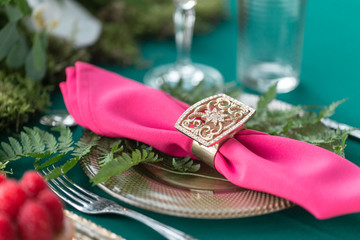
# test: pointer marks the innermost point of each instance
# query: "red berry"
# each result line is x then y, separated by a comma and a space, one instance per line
54, 206
34, 222
12, 196
7, 228
32, 183
2, 178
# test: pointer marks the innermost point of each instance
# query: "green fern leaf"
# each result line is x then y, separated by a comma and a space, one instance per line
10, 153
126, 159
50, 161
65, 139
84, 148
266, 99
62, 170
54, 173
3, 155
50, 142
107, 156
35, 138
330, 110
185, 164
113, 164
112, 168
26, 143
105, 159
144, 153
37, 162
16, 146
136, 157
40, 155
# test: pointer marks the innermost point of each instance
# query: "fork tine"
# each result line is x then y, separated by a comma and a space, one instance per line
65, 199
69, 187
81, 189
78, 187
62, 188
80, 195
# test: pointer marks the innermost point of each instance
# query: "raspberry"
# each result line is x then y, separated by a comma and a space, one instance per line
7, 229
12, 196
2, 178
32, 183
34, 222
54, 206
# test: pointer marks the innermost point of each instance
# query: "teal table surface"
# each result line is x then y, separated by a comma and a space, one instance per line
330, 72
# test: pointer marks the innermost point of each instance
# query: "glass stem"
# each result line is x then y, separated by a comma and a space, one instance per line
184, 20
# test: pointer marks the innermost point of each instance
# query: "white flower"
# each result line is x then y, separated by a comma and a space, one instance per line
65, 19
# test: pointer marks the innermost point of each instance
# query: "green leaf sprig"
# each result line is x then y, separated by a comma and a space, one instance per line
45, 149
302, 123
122, 155
14, 46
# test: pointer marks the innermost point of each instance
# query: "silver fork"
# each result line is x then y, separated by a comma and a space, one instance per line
90, 203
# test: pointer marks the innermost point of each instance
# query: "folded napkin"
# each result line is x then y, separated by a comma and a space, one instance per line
320, 181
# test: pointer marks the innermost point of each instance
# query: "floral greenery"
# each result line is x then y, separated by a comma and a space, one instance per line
121, 154
301, 122
45, 149
39, 57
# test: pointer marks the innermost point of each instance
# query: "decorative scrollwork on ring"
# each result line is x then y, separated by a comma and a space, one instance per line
211, 119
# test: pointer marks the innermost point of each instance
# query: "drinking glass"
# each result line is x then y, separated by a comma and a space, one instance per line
191, 74
270, 43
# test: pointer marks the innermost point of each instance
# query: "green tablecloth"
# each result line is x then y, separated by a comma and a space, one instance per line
329, 73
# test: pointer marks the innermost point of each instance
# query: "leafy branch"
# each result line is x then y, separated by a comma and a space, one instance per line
45, 149
302, 123
121, 156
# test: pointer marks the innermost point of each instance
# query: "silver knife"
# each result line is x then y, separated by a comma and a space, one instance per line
355, 133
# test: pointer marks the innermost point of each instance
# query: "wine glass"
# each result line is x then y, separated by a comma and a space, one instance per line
191, 74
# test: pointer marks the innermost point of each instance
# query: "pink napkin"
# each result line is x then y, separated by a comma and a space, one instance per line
320, 181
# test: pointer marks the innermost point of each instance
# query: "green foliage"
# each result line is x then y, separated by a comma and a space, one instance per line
301, 122
18, 52
14, 45
199, 92
122, 155
8, 36
35, 64
185, 164
46, 150
21, 4
20, 99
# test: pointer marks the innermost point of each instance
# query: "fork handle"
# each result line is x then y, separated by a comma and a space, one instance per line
165, 230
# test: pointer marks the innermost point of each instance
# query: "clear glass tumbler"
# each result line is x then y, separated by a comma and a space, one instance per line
270, 43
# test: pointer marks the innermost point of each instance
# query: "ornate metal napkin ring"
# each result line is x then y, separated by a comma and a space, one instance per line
210, 122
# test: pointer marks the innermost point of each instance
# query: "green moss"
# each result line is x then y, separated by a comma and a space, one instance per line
20, 98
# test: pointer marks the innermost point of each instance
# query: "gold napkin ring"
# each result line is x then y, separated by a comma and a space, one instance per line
212, 121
